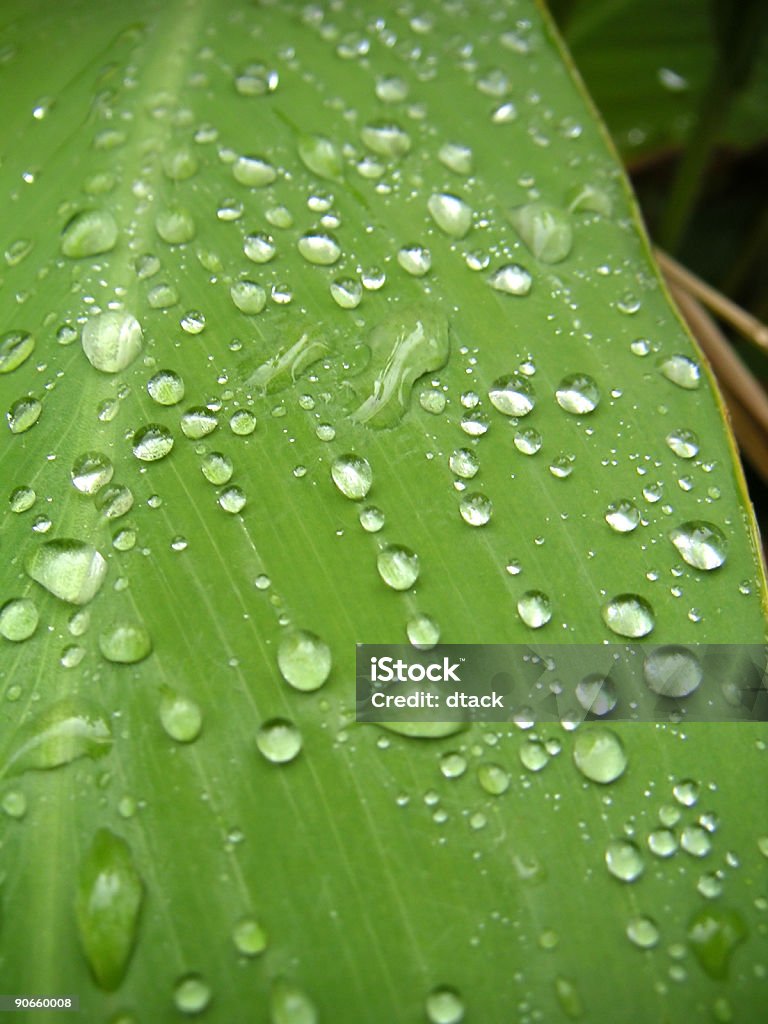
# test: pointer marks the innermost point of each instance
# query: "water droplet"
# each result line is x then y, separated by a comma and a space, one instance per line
623, 516
152, 442
505, 113
464, 463
15, 348
512, 395
259, 247
672, 671
662, 842
453, 765
599, 754
162, 296
624, 860
23, 414
695, 840
279, 740
578, 394
17, 251
125, 643
198, 422
713, 935
702, 545
534, 608
18, 619
476, 509
493, 778
249, 937
175, 225
321, 156
628, 615
319, 249
192, 994
371, 519
91, 472
546, 230
304, 660
180, 716
444, 1006
233, 500
415, 260
533, 755
22, 499
217, 468
512, 279
404, 346
386, 139
346, 292
432, 401
569, 998
89, 233
684, 443
14, 804
681, 371
643, 932
63, 732
256, 80
398, 567
253, 171
69, 569
193, 322
115, 501
451, 214
109, 898
423, 632
111, 341
180, 164
352, 475
248, 297
166, 387
597, 694
686, 792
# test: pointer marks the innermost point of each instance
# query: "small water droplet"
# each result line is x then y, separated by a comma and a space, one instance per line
233, 500
643, 932
702, 545
628, 615
322, 250
624, 860
198, 422
623, 516
249, 937
288, 1004
464, 463
89, 233
545, 229
476, 509
391, 89
242, 423
115, 501
217, 468
597, 694
681, 371
512, 395
321, 156
444, 1006
578, 394
398, 567
512, 279
14, 804
372, 519
111, 341
493, 778
346, 292
423, 632
672, 671
534, 608
22, 499
180, 164
433, 401
386, 139
304, 660
175, 225
23, 414
191, 994
259, 247
91, 471
69, 569
152, 442
684, 443
253, 171
713, 934
109, 898
279, 741
125, 643
451, 214
18, 619
662, 842
456, 157
256, 79
353, 476
599, 754
180, 717
15, 348
415, 260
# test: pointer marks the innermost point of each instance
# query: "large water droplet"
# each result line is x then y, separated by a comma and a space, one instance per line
15, 348
321, 156
125, 643
493, 778
681, 371
248, 297
180, 716
623, 516
91, 472
166, 387
175, 225
304, 660
578, 394
713, 934
476, 509
597, 694
109, 897
111, 341
18, 619
444, 1006
23, 414
624, 860
288, 1004
398, 567
546, 230
464, 463
451, 214
198, 422
69, 569
217, 468
599, 754
386, 139
628, 615
322, 250
89, 233
672, 671
353, 476
62, 733
511, 279
702, 545
115, 501
152, 442
534, 608
415, 260
279, 740
684, 443
347, 292
512, 395
423, 632
253, 171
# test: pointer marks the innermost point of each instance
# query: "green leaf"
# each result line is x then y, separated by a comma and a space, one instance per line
345, 330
